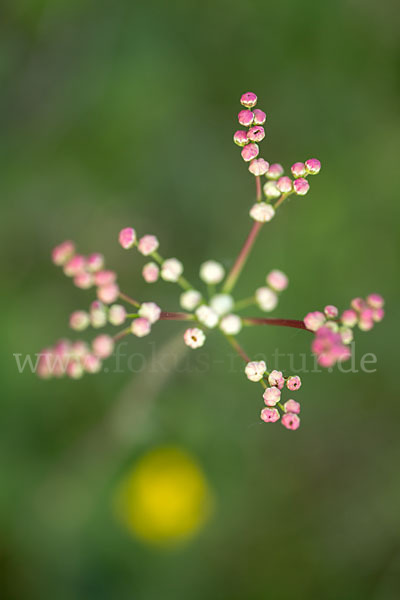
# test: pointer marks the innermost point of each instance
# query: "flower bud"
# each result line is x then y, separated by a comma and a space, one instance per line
258, 166
171, 269
291, 421
270, 415
259, 116
207, 316
190, 299
240, 138
103, 346
255, 370
271, 190
95, 262
84, 280
375, 301
75, 265
246, 118
150, 272
248, 99
74, 369
331, 311
266, 299
108, 293
150, 311
298, 169
249, 152
275, 378
293, 383
301, 186
127, 237
231, 324
271, 396
117, 314
262, 212
140, 327
148, 244
105, 277
79, 320
62, 253
256, 133
292, 406
275, 171
349, 318
313, 166
314, 320
212, 272
221, 304
194, 337
98, 314
277, 280
91, 363
284, 185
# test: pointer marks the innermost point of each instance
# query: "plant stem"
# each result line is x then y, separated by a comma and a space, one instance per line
121, 334
176, 316
242, 257
235, 344
129, 300
258, 188
296, 323
184, 283
244, 303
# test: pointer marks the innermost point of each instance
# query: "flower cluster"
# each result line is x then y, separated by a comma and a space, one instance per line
210, 305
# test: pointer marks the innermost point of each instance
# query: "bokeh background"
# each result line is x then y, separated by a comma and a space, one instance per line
122, 113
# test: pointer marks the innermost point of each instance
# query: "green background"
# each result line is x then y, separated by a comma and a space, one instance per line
122, 113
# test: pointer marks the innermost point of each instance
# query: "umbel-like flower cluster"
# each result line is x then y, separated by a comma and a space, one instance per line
210, 305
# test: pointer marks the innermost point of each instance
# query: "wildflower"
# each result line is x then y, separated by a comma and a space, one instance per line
249, 99
255, 370
258, 166
221, 304
314, 320
329, 347
313, 166
190, 299
212, 272
246, 118
301, 186
250, 151
127, 237
103, 346
271, 396
275, 378
277, 280
271, 190
79, 320
275, 171
240, 138
62, 253
298, 169
270, 415
171, 269
259, 116
291, 406
291, 421
207, 316
117, 314
150, 272
293, 383
266, 299
262, 212
194, 338
150, 311
231, 324
148, 244
140, 327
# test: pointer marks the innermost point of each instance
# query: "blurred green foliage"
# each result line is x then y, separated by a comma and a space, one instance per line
120, 113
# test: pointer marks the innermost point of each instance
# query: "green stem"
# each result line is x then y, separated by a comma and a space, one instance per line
244, 303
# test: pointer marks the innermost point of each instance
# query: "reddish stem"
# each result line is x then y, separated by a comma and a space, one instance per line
241, 259
129, 300
176, 316
280, 322
258, 188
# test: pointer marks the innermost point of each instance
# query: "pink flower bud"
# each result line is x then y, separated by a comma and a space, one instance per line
108, 293
190, 299
79, 349
74, 369
366, 321
44, 364
346, 334
103, 346
255, 370
258, 166
314, 320
270, 190
284, 185
194, 338
331, 311
140, 327
249, 152
98, 314
276, 378
301, 186
277, 280
240, 137
259, 116
127, 237
91, 363
150, 311
291, 406
271, 396
95, 262
79, 320
349, 318
291, 421
150, 272
298, 169
117, 314
62, 253
75, 265
358, 304
256, 134
375, 301
148, 244
262, 212
313, 166
270, 415
378, 314
293, 383
275, 171
248, 99
84, 281
171, 269
105, 277
246, 118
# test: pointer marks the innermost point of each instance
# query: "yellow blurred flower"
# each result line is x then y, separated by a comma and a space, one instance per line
165, 498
